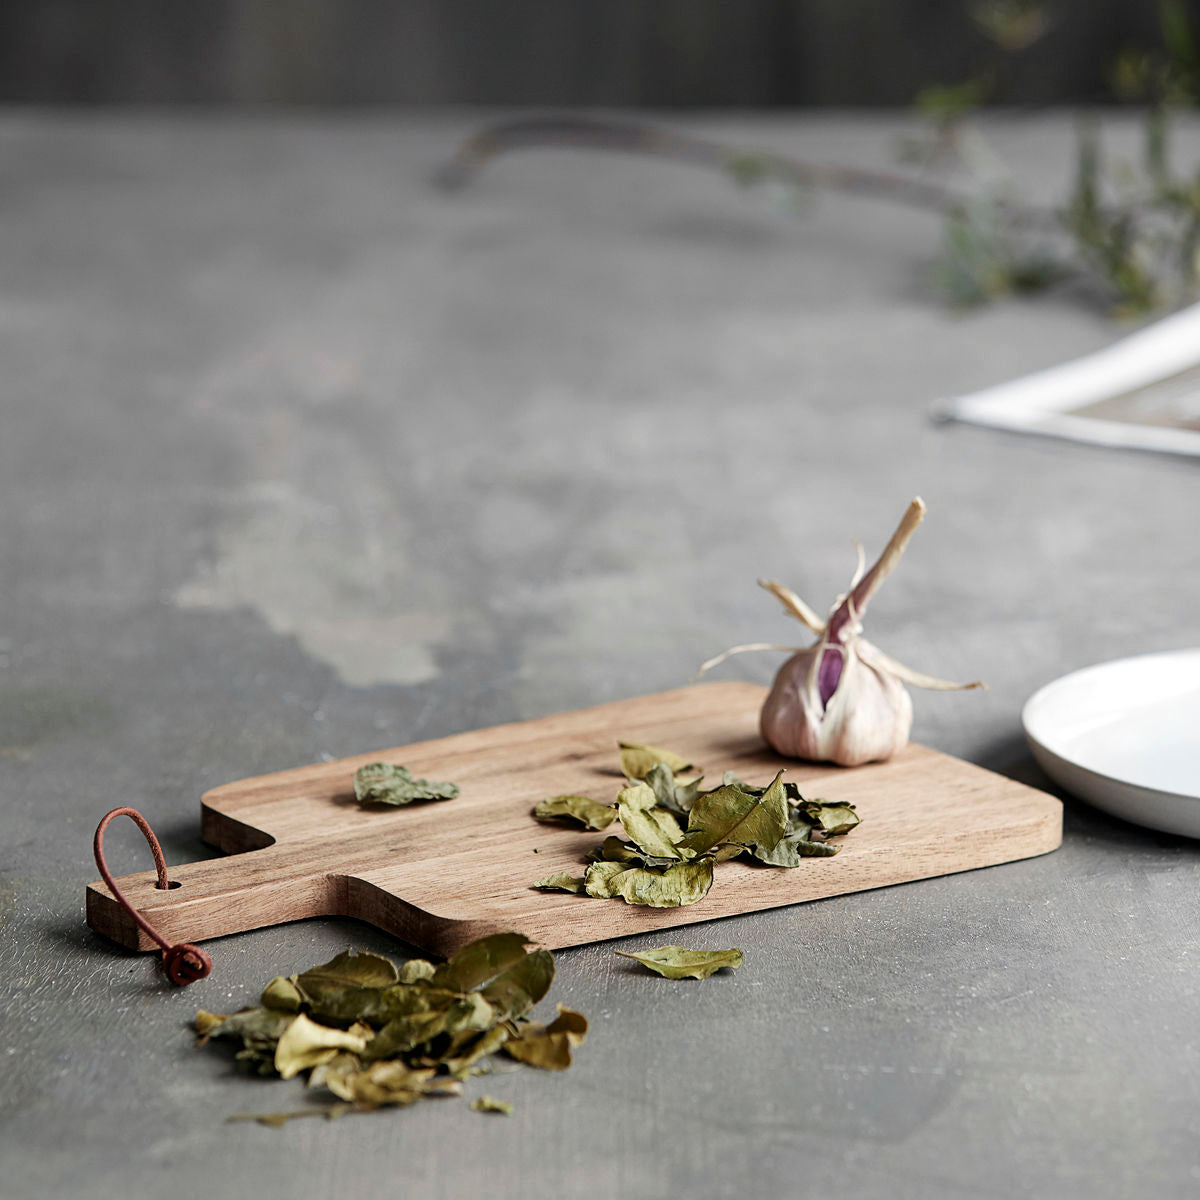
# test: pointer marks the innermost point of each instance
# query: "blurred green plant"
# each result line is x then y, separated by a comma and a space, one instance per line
1130, 230
1133, 230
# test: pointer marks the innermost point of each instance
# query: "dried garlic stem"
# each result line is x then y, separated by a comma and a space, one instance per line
851, 609
793, 605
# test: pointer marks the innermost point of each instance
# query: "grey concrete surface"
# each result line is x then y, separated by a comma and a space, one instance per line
300, 458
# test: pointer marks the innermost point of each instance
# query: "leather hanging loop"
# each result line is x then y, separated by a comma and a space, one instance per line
183, 963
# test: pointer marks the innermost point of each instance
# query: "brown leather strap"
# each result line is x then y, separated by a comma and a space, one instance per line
183, 963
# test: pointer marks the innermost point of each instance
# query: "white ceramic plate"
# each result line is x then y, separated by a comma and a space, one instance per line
1125, 736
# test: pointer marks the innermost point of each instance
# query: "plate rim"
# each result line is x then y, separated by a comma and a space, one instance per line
1038, 696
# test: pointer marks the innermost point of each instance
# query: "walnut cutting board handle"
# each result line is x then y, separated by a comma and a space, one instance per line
219, 896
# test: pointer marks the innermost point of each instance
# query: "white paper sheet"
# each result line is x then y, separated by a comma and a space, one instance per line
1142, 392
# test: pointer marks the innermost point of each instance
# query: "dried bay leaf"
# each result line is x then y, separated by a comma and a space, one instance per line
306, 1044
205, 1023
282, 995
599, 878
549, 1046
614, 849
683, 884
499, 967
391, 1083
358, 968
419, 1013
391, 783
637, 759
577, 810
673, 887
654, 830
832, 819
248, 1023
675, 795
468, 1048
258, 1029
342, 1063
560, 881
489, 1104
810, 823
676, 962
729, 814
415, 970
790, 790
791, 849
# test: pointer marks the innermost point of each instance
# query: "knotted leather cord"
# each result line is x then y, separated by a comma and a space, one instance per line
183, 963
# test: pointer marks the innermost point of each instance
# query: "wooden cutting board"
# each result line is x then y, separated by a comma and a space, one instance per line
439, 874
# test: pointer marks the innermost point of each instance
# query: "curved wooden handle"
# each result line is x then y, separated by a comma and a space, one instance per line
218, 897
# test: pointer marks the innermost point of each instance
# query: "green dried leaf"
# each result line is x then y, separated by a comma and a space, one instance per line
730, 815
600, 876
675, 795
416, 970
678, 885
259, 1029
283, 995
637, 759
831, 819
675, 962
391, 783
351, 968
352, 986
549, 1046
341, 1064
258, 1023
560, 881
306, 1044
489, 1104
581, 810
468, 1048
391, 1083
498, 966
654, 830
416, 1014
790, 790
613, 849
205, 1023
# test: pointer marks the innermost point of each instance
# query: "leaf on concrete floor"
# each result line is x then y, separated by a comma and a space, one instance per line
676, 962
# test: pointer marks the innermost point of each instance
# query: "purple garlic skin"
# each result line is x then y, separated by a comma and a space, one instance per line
867, 717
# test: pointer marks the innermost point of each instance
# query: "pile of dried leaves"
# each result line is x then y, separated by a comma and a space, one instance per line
374, 1035
679, 833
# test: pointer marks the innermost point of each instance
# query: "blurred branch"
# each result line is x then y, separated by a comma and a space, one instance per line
745, 166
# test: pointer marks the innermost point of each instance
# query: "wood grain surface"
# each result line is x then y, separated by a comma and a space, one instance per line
440, 874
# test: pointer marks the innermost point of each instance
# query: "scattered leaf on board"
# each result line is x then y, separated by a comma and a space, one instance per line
390, 783
575, 810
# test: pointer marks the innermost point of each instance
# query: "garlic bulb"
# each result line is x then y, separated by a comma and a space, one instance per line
842, 700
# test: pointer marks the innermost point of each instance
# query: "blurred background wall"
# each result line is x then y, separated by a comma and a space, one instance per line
745, 53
